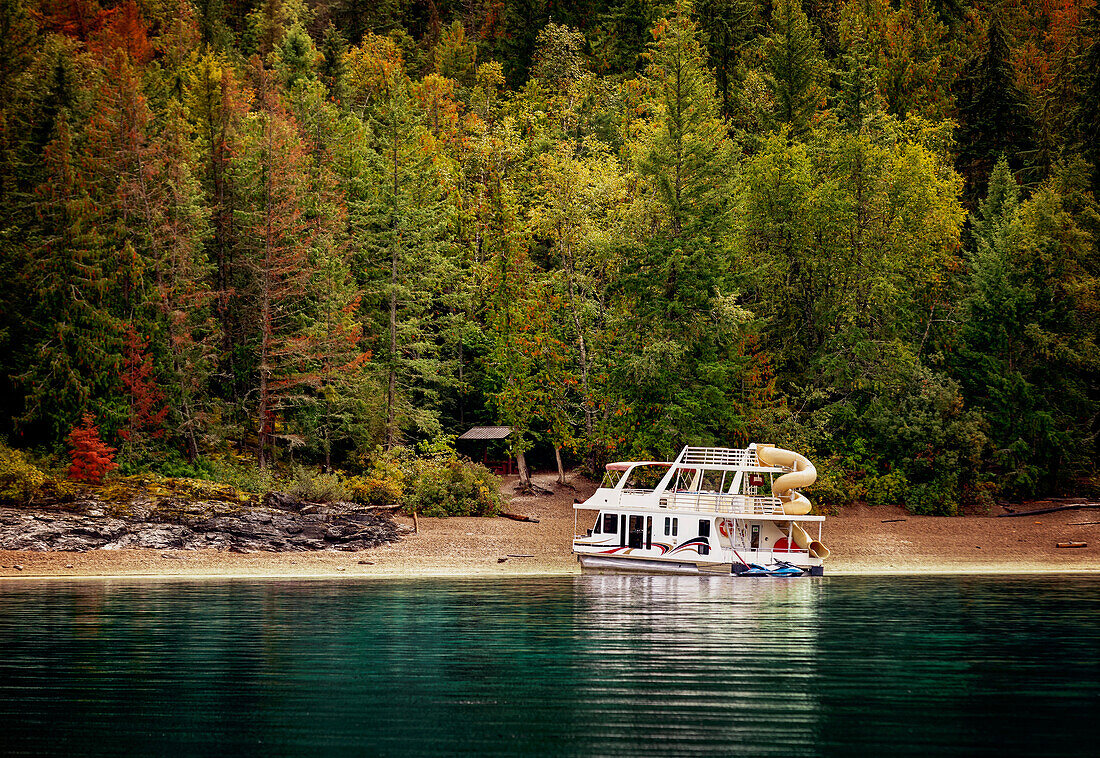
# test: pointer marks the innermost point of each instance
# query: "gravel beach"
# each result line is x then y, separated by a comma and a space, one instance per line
863, 540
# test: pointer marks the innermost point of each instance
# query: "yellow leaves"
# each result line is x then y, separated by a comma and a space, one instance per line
490, 76
19, 478
374, 67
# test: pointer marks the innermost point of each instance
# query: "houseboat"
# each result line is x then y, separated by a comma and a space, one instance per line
712, 510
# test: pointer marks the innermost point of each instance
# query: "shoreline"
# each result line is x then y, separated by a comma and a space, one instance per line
865, 541
939, 571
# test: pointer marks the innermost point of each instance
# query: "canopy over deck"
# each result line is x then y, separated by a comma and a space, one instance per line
625, 465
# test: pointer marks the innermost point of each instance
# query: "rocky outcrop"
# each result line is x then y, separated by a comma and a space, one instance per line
281, 524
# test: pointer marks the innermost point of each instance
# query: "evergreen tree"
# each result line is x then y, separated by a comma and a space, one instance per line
794, 67
331, 340
271, 170
726, 26
1029, 341
995, 117
684, 332
858, 98
295, 56
402, 222
1086, 114
73, 333
333, 69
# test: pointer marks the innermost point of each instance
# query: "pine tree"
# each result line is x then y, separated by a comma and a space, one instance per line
858, 98
331, 340
995, 117
333, 69
155, 202
794, 67
17, 39
218, 107
1086, 113
294, 57
725, 27
1028, 343
73, 333
403, 223
272, 169
677, 276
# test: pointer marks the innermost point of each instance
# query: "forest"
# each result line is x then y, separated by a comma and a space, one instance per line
324, 233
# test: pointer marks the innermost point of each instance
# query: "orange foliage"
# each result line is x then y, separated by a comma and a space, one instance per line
124, 30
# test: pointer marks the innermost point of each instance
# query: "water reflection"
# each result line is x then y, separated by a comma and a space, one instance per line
699, 662
595, 665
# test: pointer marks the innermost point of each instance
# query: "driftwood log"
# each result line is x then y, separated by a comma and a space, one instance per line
1052, 509
519, 517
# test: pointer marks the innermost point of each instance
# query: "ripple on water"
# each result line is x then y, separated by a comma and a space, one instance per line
595, 665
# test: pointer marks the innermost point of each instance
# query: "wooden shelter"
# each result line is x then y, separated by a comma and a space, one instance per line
477, 441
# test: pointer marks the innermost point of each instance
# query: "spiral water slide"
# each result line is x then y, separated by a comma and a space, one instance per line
802, 474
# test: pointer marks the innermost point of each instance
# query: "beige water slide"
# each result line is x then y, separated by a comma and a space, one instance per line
802, 474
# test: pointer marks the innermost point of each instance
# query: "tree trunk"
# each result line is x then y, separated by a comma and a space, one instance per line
561, 470
521, 467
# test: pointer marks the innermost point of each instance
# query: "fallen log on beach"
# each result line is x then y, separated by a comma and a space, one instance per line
1052, 509
519, 517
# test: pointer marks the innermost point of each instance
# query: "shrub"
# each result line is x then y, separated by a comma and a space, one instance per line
453, 487
92, 459
241, 473
934, 498
370, 490
887, 489
835, 486
384, 477
19, 478
318, 488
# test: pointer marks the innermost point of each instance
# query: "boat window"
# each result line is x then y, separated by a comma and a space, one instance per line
609, 522
645, 478
711, 481
648, 532
704, 532
637, 535
596, 528
684, 479
668, 526
611, 478
675, 523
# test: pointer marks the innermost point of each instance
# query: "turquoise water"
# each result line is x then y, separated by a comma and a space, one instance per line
563, 666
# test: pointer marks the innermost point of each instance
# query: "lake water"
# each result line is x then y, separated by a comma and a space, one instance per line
563, 666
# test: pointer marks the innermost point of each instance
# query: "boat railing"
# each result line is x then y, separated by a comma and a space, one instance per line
718, 456
717, 502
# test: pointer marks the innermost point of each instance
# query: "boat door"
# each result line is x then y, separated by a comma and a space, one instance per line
637, 532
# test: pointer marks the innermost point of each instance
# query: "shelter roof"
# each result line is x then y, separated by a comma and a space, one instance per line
486, 433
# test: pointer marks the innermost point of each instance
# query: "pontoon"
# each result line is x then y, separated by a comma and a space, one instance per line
705, 512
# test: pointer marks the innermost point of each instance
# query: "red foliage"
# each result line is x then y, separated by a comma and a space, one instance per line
125, 30
78, 19
91, 457
147, 408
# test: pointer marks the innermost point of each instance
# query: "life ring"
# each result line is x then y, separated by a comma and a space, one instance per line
724, 527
